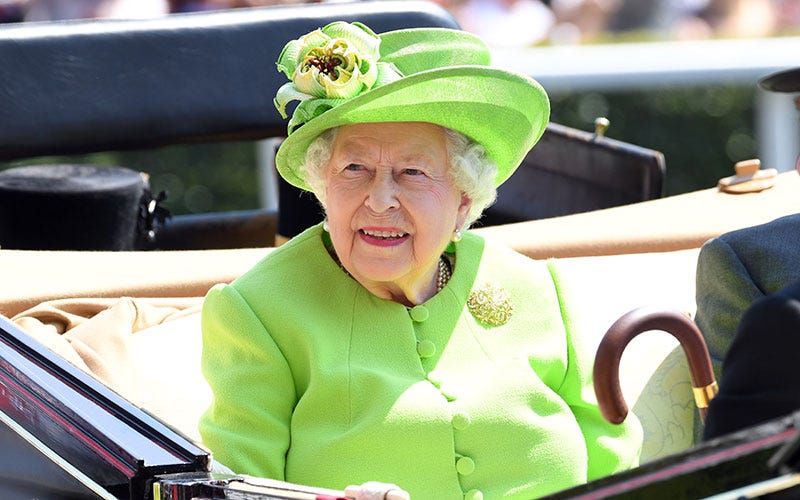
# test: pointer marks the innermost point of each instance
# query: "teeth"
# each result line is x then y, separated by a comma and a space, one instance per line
383, 234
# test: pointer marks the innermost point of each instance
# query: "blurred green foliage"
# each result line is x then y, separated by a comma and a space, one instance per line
702, 132
198, 178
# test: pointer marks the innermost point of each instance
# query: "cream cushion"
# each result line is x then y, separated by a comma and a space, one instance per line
654, 374
170, 384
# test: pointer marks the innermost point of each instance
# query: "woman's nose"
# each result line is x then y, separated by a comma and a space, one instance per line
382, 194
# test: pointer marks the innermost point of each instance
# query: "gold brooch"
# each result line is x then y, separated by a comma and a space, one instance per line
490, 305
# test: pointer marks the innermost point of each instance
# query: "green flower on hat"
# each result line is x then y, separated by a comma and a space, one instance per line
329, 66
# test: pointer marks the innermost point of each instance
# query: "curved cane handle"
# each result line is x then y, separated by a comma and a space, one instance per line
609, 352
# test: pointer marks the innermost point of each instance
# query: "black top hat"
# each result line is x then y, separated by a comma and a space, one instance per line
782, 81
73, 207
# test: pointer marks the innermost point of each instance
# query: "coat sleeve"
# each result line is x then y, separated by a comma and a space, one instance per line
610, 448
247, 426
724, 291
752, 391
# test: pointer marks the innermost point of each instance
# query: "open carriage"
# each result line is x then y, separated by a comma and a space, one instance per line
129, 316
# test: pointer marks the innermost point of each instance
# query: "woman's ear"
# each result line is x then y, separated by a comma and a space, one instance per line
463, 210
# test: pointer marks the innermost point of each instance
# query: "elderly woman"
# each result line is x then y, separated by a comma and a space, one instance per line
388, 343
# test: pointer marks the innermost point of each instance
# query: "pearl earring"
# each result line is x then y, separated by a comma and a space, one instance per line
457, 235
325, 226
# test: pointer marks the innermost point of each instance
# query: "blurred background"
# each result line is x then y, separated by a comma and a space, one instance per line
677, 76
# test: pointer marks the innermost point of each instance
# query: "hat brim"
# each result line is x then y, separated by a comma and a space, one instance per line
503, 111
782, 81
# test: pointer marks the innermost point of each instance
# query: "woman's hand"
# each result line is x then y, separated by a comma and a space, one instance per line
374, 490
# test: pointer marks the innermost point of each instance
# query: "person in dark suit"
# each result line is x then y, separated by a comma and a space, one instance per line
757, 381
738, 268
748, 308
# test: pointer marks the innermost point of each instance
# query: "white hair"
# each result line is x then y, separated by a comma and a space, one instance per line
471, 169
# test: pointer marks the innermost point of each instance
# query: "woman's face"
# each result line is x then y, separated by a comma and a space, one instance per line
392, 206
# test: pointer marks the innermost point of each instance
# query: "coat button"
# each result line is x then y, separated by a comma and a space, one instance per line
419, 313
473, 495
465, 466
426, 348
461, 421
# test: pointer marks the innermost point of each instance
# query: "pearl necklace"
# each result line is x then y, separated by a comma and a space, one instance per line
444, 274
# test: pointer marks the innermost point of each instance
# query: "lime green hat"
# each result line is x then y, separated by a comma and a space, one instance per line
346, 74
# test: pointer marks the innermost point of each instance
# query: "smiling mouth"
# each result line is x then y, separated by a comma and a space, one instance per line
384, 235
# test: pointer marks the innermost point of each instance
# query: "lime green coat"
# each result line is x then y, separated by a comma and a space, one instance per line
317, 381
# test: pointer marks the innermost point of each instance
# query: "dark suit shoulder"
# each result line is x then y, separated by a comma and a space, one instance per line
781, 229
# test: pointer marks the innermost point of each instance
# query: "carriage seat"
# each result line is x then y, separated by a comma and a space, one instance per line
148, 349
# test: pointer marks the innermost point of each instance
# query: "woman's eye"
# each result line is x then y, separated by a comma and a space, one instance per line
413, 171
354, 167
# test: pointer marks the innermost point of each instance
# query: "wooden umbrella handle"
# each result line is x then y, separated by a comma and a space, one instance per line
609, 353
